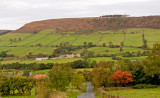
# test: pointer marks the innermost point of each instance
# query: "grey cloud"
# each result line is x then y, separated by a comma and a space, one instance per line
15, 13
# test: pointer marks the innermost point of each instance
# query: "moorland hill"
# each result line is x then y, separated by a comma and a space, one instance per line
89, 25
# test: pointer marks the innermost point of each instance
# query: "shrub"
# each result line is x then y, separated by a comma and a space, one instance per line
141, 86
121, 78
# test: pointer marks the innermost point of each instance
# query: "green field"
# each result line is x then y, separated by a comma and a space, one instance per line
137, 93
27, 61
45, 41
65, 60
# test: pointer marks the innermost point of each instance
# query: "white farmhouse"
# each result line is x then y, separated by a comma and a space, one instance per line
43, 58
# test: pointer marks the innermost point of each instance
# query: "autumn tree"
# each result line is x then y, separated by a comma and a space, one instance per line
102, 73
100, 77
121, 78
21, 85
77, 80
60, 77
43, 88
152, 64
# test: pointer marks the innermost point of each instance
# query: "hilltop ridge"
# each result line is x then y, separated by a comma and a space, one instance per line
91, 24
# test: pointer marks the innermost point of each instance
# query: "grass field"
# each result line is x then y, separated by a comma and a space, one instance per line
48, 39
137, 93
27, 61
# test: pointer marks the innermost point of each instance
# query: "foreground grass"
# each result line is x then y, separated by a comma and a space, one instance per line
137, 93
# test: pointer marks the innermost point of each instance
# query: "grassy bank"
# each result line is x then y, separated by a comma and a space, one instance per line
138, 93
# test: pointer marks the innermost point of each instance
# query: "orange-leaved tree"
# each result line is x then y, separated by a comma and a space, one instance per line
122, 78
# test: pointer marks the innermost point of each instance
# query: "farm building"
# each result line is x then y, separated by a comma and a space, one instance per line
78, 55
62, 56
38, 76
70, 56
43, 58
73, 55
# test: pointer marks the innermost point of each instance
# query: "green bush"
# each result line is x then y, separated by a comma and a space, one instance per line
141, 86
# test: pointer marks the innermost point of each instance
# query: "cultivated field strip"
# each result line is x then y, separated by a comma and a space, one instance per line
14, 43
44, 50
38, 49
94, 38
65, 38
48, 39
36, 40
100, 39
114, 38
55, 40
19, 51
5, 39
133, 40
75, 39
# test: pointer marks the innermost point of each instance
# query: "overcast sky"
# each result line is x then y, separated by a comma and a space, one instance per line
16, 13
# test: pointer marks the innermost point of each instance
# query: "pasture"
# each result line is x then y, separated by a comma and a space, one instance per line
137, 93
45, 41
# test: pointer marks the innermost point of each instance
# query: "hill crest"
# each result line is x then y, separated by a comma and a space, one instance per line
90, 24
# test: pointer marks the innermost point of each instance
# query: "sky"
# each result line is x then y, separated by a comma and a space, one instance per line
16, 13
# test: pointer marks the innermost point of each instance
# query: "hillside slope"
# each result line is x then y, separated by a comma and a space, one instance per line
88, 25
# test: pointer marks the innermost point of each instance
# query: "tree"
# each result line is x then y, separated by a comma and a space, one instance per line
110, 45
43, 89
101, 74
11, 40
20, 84
145, 46
19, 39
85, 44
77, 80
153, 61
2, 78
138, 73
3, 54
104, 44
152, 64
121, 46
26, 72
121, 49
90, 44
101, 77
35, 32
14, 39
60, 77
121, 78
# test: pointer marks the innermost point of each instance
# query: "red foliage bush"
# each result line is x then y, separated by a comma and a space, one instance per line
122, 78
